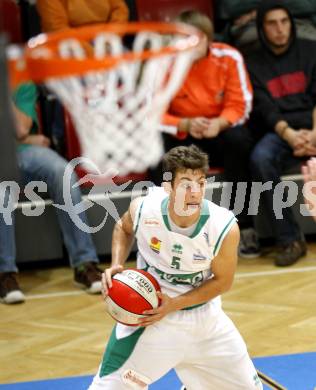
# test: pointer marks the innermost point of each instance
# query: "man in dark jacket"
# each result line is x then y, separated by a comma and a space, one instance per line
283, 73
240, 27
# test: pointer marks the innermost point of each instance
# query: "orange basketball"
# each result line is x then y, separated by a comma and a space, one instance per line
132, 292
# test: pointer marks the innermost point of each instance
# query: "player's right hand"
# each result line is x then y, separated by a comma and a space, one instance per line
107, 278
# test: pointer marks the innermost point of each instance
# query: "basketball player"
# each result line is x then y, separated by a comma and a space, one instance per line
190, 246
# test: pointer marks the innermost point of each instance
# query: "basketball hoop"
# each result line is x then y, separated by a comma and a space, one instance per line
116, 96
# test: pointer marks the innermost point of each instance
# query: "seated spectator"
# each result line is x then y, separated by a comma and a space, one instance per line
240, 18
37, 161
283, 73
61, 14
209, 111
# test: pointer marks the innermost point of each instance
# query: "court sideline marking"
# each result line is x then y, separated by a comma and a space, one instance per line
270, 382
241, 275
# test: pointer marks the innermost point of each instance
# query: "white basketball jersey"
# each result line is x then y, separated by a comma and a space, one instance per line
178, 262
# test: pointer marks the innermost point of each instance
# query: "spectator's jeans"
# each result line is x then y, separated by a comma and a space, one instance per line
269, 159
39, 163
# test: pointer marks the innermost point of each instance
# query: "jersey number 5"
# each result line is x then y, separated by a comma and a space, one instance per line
175, 263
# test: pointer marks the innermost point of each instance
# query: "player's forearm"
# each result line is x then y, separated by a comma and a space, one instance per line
121, 245
207, 291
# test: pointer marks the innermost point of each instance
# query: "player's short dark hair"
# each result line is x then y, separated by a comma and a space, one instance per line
199, 20
181, 158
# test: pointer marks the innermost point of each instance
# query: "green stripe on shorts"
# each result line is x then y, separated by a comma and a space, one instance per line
118, 351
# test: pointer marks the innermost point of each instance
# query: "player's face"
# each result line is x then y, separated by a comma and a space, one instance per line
188, 191
277, 28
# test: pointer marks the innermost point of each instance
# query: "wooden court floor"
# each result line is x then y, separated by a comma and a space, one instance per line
61, 331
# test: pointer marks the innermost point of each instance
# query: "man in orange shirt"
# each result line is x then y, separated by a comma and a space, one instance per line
209, 110
61, 14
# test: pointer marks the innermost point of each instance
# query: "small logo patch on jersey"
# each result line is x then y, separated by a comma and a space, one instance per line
199, 256
177, 248
151, 222
135, 380
155, 244
207, 238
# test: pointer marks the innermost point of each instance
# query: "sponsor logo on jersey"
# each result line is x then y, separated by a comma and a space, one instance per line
135, 380
155, 244
151, 222
199, 256
177, 248
194, 279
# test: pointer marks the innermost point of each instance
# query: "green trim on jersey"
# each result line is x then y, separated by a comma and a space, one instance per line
181, 279
187, 279
204, 216
138, 217
164, 212
222, 235
118, 351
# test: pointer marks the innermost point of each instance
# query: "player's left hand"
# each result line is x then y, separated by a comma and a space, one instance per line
161, 311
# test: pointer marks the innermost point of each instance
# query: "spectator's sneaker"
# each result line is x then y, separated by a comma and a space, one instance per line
10, 291
248, 246
88, 276
290, 253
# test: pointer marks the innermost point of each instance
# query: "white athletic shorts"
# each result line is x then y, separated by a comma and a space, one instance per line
205, 349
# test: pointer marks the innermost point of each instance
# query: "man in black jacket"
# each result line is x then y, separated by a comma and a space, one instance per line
283, 73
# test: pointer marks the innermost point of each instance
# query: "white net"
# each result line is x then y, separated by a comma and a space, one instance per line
117, 112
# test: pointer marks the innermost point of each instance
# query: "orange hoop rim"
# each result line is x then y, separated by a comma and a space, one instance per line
39, 58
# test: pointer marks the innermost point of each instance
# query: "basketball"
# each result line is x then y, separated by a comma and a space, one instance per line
132, 292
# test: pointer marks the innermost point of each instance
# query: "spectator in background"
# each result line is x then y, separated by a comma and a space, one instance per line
283, 73
61, 14
209, 111
240, 19
38, 162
